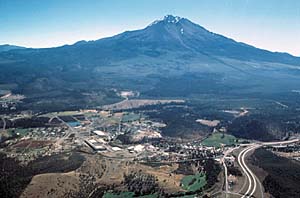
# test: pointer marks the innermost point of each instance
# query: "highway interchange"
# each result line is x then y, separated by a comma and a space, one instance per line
251, 183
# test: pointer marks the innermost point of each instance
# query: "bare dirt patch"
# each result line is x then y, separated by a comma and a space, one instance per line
210, 123
131, 104
32, 144
51, 185
112, 171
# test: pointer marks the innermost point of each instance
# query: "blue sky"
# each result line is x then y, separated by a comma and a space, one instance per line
268, 24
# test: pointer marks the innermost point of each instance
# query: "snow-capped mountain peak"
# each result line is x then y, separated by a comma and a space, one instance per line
171, 19
167, 19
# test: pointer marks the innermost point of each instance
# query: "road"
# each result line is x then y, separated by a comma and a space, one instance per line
225, 168
69, 132
251, 178
253, 182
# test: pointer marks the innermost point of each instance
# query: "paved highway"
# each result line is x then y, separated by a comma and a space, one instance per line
252, 180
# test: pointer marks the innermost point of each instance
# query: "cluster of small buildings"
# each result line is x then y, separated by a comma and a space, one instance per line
178, 152
9, 101
8, 105
291, 151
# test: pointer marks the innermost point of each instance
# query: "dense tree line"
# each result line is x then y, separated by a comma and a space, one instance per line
140, 183
26, 122
212, 171
233, 170
283, 174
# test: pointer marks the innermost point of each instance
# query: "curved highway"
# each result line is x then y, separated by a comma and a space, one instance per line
251, 178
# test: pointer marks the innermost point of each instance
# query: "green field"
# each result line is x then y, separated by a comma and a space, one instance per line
22, 132
62, 113
194, 182
130, 117
216, 139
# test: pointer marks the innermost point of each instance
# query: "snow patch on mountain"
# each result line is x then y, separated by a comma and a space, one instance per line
167, 19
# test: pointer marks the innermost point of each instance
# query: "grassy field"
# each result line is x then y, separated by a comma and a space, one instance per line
216, 139
130, 117
194, 182
62, 113
21, 132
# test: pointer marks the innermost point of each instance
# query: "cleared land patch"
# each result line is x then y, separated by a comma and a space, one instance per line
217, 139
210, 123
131, 104
194, 182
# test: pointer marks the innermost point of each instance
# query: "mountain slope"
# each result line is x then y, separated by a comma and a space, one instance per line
172, 57
6, 47
170, 33
177, 33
